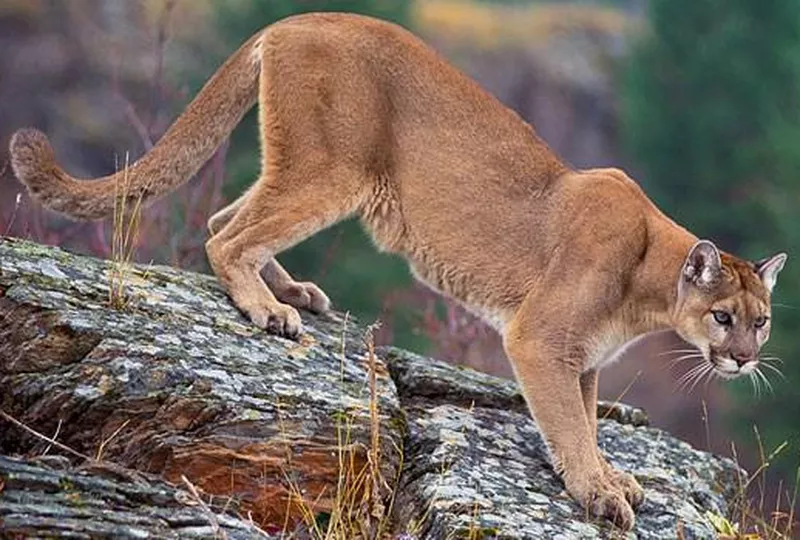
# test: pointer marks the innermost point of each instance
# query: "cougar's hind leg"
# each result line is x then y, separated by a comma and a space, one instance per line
278, 213
302, 294
222, 217
314, 173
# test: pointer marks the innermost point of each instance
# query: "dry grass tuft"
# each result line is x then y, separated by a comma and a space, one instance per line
750, 519
10, 223
125, 234
50, 440
362, 504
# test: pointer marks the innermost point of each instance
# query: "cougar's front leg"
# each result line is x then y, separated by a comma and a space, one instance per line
548, 368
622, 480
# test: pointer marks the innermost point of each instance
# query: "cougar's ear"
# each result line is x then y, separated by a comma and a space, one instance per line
769, 268
702, 268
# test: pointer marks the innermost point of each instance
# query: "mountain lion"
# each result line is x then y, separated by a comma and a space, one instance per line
359, 117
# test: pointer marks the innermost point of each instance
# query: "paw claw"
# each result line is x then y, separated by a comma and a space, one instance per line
627, 484
611, 504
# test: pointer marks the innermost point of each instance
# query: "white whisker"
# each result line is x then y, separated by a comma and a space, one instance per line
759, 379
758, 384
674, 361
775, 369
712, 374
690, 355
766, 381
678, 351
753, 381
709, 368
688, 375
693, 374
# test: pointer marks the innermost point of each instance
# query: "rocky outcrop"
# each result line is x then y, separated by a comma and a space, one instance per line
177, 383
45, 498
173, 388
476, 464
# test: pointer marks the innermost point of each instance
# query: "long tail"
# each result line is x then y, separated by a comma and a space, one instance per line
178, 155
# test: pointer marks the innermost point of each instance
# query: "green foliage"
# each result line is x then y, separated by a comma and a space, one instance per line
709, 93
342, 259
712, 116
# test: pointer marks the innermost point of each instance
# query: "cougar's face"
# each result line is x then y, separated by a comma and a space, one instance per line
729, 331
724, 308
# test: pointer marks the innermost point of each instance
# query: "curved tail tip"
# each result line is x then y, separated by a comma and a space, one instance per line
29, 149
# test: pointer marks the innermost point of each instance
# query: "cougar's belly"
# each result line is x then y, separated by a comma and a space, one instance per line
458, 249
459, 284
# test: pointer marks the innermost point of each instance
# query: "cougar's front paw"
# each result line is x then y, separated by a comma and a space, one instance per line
602, 499
304, 295
279, 319
626, 483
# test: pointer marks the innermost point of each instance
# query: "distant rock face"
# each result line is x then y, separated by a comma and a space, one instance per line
179, 384
556, 64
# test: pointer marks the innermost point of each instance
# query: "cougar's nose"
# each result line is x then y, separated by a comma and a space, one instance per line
742, 358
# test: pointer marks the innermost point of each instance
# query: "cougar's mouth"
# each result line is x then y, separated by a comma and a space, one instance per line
716, 363
728, 368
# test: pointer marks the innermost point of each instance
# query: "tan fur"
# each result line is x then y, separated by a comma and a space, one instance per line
359, 117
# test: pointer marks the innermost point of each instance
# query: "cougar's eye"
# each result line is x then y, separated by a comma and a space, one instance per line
760, 321
722, 317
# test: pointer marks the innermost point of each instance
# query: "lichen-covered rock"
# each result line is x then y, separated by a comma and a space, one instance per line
424, 378
179, 383
476, 465
38, 500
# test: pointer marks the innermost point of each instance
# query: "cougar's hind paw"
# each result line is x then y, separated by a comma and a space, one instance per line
279, 319
318, 300
304, 295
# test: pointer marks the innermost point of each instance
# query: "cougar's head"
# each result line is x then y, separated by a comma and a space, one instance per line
723, 307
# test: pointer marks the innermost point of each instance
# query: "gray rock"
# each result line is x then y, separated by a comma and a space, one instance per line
477, 467
177, 382
38, 500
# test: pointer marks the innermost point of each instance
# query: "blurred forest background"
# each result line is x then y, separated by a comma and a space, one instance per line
699, 100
